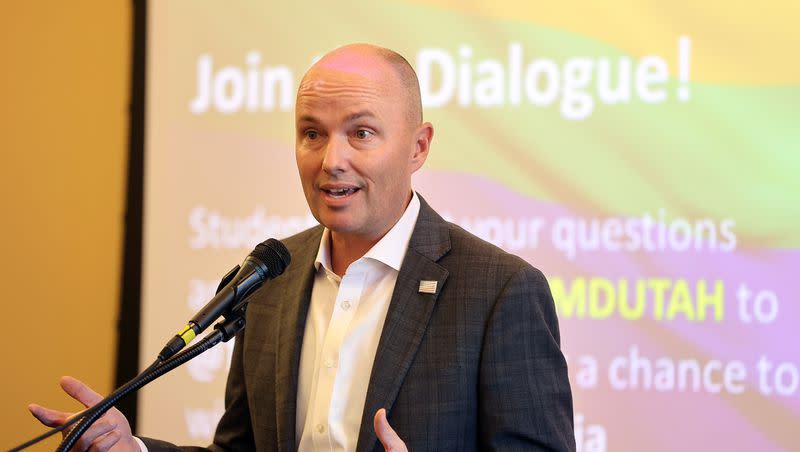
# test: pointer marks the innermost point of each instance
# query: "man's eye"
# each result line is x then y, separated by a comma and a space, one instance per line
312, 135
363, 134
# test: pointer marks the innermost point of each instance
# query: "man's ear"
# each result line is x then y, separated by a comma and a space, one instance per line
422, 145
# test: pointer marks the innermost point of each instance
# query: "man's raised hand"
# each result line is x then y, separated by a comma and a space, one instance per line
109, 433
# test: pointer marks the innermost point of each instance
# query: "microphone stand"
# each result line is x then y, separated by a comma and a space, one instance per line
223, 332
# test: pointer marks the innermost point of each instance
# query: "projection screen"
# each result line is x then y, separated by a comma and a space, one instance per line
642, 154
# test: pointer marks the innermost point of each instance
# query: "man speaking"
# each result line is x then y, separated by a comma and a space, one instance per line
392, 328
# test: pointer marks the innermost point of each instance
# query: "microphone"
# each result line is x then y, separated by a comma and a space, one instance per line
266, 261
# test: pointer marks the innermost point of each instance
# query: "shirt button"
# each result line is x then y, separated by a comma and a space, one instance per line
320, 428
345, 305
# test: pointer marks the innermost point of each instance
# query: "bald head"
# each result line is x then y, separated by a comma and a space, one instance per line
372, 62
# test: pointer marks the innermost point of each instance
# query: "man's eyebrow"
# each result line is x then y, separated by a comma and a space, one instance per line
307, 118
361, 114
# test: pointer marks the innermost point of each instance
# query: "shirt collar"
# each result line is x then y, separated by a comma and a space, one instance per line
390, 249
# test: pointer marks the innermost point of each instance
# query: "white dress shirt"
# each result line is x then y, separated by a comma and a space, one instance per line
343, 327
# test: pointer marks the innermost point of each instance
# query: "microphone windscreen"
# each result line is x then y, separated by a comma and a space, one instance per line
274, 255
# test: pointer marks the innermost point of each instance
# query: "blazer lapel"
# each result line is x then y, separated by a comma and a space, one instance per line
291, 327
407, 319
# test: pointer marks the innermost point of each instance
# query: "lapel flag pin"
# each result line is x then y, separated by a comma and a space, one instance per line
427, 286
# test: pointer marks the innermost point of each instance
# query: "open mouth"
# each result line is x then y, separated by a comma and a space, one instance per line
340, 192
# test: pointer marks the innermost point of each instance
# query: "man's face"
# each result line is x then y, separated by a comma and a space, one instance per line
356, 147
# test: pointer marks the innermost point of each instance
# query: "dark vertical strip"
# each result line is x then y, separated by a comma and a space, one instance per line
128, 325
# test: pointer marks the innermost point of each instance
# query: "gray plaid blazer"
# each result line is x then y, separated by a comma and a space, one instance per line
475, 366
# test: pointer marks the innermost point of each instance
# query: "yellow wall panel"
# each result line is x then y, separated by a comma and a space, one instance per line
64, 90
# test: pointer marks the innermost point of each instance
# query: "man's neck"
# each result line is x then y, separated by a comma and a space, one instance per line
346, 249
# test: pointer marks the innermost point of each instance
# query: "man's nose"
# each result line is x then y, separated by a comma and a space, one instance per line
337, 154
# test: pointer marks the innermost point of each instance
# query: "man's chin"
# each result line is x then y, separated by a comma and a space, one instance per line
339, 224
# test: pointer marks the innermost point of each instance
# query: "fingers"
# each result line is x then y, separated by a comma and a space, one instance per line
93, 436
105, 442
112, 429
386, 434
79, 391
48, 417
